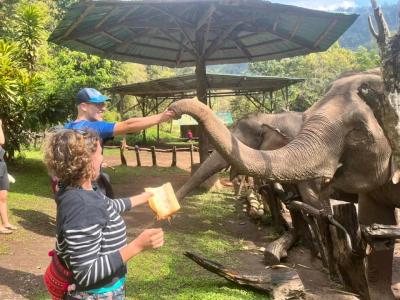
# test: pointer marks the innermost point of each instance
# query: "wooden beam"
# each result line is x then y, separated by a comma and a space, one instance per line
178, 21
150, 46
117, 40
190, 50
283, 34
179, 55
128, 13
276, 23
326, 31
106, 17
204, 19
126, 42
243, 49
77, 22
296, 27
216, 43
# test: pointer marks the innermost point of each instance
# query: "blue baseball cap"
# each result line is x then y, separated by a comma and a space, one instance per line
90, 95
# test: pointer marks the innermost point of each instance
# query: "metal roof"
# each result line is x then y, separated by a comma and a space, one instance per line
176, 33
217, 84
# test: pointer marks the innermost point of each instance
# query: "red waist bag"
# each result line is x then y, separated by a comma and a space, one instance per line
57, 278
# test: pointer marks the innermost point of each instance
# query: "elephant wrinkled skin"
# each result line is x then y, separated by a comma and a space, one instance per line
256, 130
340, 142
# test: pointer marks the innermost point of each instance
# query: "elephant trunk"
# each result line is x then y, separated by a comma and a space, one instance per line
213, 164
307, 156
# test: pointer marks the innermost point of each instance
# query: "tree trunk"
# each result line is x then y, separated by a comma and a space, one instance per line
387, 110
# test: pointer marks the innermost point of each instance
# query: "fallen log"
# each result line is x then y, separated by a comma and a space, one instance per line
280, 282
277, 249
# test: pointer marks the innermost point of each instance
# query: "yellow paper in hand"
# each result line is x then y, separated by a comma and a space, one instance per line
163, 202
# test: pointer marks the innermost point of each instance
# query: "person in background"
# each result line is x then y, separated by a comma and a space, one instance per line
91, 239
5, 227
189, 135
91, 107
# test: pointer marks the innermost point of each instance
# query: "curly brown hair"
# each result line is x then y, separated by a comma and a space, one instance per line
68, 155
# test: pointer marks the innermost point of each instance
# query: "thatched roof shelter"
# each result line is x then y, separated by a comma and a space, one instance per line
178, 33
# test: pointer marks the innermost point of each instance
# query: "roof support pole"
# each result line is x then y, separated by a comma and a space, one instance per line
201, 90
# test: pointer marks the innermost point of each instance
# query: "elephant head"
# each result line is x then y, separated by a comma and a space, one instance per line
338, 124
256, 130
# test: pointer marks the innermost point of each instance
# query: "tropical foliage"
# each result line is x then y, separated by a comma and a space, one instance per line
318, 70
38, 80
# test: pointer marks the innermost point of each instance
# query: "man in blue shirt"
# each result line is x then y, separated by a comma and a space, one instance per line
91, 106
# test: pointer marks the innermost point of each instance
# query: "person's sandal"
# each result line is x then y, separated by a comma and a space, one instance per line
5, 231
11, 227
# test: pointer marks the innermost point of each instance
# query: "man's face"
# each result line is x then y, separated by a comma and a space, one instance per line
93, 111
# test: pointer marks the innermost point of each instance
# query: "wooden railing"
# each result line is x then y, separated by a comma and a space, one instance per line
153, 150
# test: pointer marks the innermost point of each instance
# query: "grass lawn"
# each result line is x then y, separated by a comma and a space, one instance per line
30, 199
157, 274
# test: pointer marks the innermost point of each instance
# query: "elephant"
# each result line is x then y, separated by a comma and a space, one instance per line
256, 130
340, 143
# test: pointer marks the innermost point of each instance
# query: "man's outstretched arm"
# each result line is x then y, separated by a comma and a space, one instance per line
140, 123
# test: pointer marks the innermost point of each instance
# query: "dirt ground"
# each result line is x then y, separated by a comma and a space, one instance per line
21, 271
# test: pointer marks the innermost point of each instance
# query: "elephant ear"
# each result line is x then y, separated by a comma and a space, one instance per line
273, 137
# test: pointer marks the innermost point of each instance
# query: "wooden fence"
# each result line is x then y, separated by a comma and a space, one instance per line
153, 150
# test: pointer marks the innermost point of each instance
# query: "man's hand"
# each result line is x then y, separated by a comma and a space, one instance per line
167, 115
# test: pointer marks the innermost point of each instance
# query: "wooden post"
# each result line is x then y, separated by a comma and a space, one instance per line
275, 207
191, 155
153, 156
121, 152
173, 164
201, 90
350, 261
158, 124
137, 151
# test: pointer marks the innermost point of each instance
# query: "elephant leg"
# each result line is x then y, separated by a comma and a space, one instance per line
379, 262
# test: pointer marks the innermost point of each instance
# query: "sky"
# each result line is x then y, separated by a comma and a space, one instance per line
331, 4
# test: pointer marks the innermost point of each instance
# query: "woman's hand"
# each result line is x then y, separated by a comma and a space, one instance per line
141, 198
148, 239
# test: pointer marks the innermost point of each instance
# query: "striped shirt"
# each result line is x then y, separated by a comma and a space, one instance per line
90, 232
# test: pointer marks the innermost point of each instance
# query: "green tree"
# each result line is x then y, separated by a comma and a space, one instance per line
319, 69
30, 24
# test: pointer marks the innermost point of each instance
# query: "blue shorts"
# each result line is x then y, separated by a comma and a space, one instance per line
118, 294
4, 183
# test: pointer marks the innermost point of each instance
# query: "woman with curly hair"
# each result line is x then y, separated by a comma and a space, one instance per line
91, 237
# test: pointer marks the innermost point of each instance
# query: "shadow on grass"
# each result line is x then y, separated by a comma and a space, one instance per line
36, 221
180, 278
21, 283
31, 177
